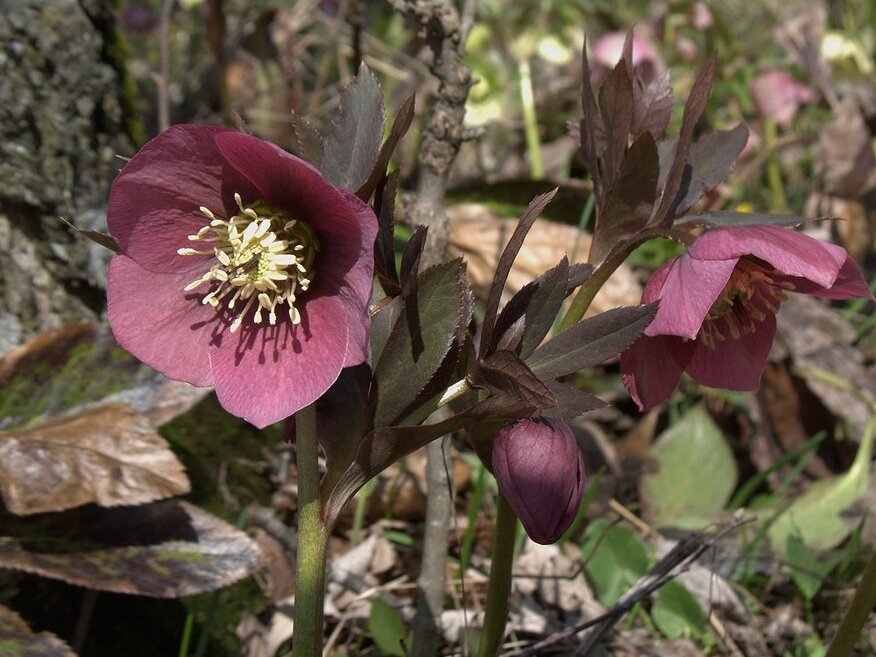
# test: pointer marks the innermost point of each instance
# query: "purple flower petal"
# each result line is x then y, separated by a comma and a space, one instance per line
264, 374
153, 204
690, 289
849, 284
155, 320
734, 364
788, 251
651, 368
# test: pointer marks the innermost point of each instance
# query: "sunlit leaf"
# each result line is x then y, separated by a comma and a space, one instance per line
677, 613
815, 517
308, 143
695, 475
388, 629
614, 559
109, 455
167, 549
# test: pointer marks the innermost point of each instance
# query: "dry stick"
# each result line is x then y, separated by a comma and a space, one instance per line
675, 562
440, 25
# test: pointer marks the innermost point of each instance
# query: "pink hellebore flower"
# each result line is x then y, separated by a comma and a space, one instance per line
540, 471
778, 96
239, 267
718, 303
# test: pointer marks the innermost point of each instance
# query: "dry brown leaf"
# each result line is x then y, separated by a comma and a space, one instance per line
77, 366
168, 549
479, 235
819, 343
109, 455
17, 639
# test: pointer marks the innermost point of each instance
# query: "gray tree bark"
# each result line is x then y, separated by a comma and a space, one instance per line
63, 118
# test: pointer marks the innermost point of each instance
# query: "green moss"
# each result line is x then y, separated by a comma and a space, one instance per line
204, 439
11, 648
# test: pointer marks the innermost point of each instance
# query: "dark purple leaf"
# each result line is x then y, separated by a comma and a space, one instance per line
382, 323
504, 371
532, 212
591, 341
400, 126
384, 246
571, 402
103, 239
419, 340
693, 110
353, 143
711, 159
535, 301
342, 416
629, 201
307, 143
652, 106
578, 274
616, 109
588, 125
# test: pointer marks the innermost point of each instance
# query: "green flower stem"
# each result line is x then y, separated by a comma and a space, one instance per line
312, 540
530, 122
499, 589
856, 615
774, 173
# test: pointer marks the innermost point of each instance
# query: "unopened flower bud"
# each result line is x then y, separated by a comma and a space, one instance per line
540, 471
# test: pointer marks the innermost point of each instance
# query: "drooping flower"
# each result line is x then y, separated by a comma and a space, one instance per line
718, 303
540, 471
239, 267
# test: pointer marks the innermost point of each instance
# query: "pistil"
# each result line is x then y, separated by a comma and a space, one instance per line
263, 259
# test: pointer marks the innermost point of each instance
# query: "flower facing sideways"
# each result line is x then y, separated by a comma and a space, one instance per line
540, 471
240, 267
718, 303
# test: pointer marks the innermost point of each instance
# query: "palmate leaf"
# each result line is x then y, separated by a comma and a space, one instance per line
400, 126
18, 640
732, 218
109, 455
616, 109
571, 402
590, 341
167, 549
505, 371
425, 328
353, 143
308, 142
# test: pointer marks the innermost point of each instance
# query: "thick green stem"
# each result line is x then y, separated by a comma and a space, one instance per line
499, 589
856, 615
312, 540
530, 122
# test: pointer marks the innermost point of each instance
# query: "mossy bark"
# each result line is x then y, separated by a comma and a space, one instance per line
63, 118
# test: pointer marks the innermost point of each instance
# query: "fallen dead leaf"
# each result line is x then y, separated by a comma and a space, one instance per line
17, 639
110, 455
168, 549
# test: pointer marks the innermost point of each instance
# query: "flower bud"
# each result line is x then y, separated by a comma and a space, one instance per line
540, 471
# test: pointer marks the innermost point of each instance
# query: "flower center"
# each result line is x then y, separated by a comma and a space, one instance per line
752, 291
263, 258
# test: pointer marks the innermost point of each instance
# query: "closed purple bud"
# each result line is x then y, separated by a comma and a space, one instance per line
540, 471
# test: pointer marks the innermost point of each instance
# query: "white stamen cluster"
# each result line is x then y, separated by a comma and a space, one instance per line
263, 257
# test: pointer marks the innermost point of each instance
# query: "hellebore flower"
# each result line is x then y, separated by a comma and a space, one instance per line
239, 267
718, 303
540, 471
778, 96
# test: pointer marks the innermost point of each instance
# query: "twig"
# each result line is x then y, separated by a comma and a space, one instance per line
675, 562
